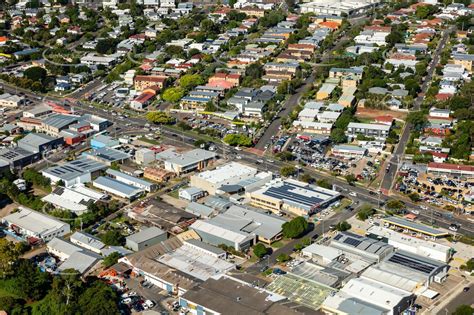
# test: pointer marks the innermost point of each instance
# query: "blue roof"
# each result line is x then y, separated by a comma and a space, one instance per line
117, 186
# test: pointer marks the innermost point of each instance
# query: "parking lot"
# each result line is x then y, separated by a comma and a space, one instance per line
439, 191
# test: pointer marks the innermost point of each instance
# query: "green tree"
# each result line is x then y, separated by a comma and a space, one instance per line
106, 46
9, 254
294, 228
350, 178
112, 237
173, 94
414, 197
35, 74
365, 212
283, 258
469, 266
260, 250
238, 140
343, 226
111, 260
417, 119
287, 171
395, 205
158, 117
324, 183
338, 135
189, 81
99, 298
254, 71
463, 310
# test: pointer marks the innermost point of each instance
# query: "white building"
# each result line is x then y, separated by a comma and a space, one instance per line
11, 101
74, 198
412, 244
131, 180
145, 156
30, 223
87, 241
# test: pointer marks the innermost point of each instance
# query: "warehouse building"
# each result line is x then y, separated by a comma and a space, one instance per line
17, 158
180, 163
75, 198
75, 172
365, 296
229, 174
107, 155
35, 225
117, 188
293, 197
39, 142
87, 241
362, 247
53, 125
131, 180
145, 238
101, 141
412, 244
413, 227
240, 228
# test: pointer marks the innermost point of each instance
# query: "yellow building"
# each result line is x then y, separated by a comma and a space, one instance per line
464, 60
325, 91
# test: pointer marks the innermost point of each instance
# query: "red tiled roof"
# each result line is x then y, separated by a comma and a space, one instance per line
150, 78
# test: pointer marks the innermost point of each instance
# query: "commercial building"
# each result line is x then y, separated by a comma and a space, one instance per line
142, 82
117, 188
107, 155
103, 141
348, 151
322, 254
338, 7
80, 261
38, 142
240, 228
292, 196
79, 171
227, 295
10, 101
313, 127
464, 171
411, 244
232, 173
131, 180
145, 238
61, 248
145, 156
87, 241
180, 163
53, 125
36, 225
75, 198
365, 296
18, 158
191, 193
158, 175
360, 247
413, 227
377, 131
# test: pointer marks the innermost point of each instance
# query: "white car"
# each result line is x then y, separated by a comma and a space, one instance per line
353, 194
415, 211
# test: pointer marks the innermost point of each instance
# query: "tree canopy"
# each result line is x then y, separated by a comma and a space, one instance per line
295, 227
260, 250
189, 81
35, 74
159, 117
238, 140
173, 94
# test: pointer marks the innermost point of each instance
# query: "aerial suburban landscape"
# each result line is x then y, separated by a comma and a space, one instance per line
236, 157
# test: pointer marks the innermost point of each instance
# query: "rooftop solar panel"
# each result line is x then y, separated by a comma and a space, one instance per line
352, 242
411, 263
338, 237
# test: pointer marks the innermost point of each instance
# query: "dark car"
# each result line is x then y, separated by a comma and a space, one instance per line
465, 289
264, 268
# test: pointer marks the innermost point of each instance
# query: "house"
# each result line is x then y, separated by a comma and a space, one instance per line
145, 238
464, 60
252, 11
325, 91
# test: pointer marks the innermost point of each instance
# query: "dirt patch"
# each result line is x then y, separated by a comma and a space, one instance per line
372, 113
8, 209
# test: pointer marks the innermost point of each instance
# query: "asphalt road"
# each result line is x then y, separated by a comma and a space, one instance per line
397, 156
466, 298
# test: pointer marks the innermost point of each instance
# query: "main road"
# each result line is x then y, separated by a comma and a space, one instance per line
397, 156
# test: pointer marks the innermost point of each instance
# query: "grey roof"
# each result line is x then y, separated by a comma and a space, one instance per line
414, 262
88, 239
108, 154
415, 226
80, 261
116, 185
75, 168
59, 121
192, 190
187, 158
349, 147
146, 234
63, 246
239, 219
119, 175
362, 243
463, 57
205, 246
115, 249
11, 155
199, 209
217, 203
33, 140
378, 90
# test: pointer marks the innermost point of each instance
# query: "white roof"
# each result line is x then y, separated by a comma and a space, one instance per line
390, 278
375, 293
227, 171
326, 252
80, 261
308, 112
63, 246
212, 229
34, 221
312, 124
87, 239
369, 126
